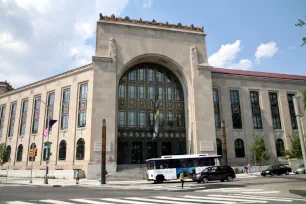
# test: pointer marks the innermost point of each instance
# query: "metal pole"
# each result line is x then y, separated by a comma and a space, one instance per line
8, 167
103, 156
224, 142
298, 113
32, 165
47, 148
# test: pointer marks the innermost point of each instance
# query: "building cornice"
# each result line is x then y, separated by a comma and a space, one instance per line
152, 24
102, 59
49, 80
204, 67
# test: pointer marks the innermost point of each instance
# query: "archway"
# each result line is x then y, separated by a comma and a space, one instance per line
150, 100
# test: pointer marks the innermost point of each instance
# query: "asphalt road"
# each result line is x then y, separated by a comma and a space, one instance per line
278, 189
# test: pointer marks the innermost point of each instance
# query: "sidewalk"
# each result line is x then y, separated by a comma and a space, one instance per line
85, 182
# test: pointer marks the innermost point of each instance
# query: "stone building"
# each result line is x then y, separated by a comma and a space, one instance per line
137, 65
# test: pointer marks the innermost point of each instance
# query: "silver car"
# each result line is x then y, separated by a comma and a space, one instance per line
301, 169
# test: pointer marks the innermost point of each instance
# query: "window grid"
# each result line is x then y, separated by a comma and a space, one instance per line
50, 109
257, 122
65, 108
239, 148
35, 116
19, 153
80, 151
2, 118
216, 108
62, 150
280, 147
236, 111
292, 111
82, 105
23, 120
12, 119
275, 110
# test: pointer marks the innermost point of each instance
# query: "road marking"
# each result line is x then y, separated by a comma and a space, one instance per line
155, 201
89, 201
18, 202
195, 200
226, 199
259, 196
54, 201
123, 201
259, 192
252, 197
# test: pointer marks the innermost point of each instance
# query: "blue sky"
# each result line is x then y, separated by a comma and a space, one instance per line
42, 38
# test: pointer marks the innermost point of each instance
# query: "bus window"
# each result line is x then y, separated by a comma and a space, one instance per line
195, 162
189, 163
177, 163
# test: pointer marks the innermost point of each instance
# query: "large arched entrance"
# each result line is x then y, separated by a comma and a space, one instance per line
151, 99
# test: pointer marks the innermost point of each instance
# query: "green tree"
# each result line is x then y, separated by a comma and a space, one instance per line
296, 151
259, 150
3, 153
301, 23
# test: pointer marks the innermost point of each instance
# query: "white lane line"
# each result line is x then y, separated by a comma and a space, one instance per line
55, 202
89, 201
18, 202
259, 192
155, 200
227, 199
252, 197
123, 201
193, 200
259, 196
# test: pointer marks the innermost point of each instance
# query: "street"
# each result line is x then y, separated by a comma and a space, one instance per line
277, 189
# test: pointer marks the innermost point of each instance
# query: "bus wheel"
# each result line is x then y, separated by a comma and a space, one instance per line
160, 178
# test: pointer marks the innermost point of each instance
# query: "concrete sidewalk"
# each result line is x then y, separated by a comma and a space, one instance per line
85, 182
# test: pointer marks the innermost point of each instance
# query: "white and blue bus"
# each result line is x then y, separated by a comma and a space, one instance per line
170, 167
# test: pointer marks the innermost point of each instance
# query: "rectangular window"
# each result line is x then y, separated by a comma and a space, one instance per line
236, 112
65, 108
179, 120
141, 74
254, 96
275, 110
132, 91
35, 116
150, 75
170, 119
132, 76
150, 93
142, 119
142, 92
2, 118
292, 111
161, 119
50, 108
159, 76
160, 93
82, 105
132, 120
12, 119
217, 108
169, 94
122, 91
23, 120
121, 119
151, 119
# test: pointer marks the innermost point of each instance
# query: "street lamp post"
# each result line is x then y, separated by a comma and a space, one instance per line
47, 147
224, 142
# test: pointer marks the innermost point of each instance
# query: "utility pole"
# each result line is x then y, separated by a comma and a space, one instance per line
32, 158
103, 154
298, 113
224, 142
47, 146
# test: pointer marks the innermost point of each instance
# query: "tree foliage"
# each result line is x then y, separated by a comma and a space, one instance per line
296, 151
259, 150
3, 153
301, 23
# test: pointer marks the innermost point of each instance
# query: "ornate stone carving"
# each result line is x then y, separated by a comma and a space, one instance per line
112, 48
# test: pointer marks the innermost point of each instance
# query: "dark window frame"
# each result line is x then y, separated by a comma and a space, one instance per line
236, 109
62, 150
23, 117
256, 111
36, 111
280, 146
83, 95
217, 112
80, 150
19, 153
12, 118
275, 114
65, 105
2, 118
239, 148
292, 111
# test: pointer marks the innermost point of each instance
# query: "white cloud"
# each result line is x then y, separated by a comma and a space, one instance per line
227, 54
147, 3
292, 47
41, 38
267, 50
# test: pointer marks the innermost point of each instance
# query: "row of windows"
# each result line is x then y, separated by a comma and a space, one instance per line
64, 112
80, 151
256, 110
239, 147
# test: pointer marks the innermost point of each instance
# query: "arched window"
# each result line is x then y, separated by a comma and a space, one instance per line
239, 148
279, 147
62, 150
19, 152
219, 147
80, 149
8, 152
33, 146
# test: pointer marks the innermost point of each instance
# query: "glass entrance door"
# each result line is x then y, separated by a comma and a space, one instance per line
136, 152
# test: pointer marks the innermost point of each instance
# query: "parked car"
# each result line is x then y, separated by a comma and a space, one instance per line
221, 173
301, 169
278, 169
